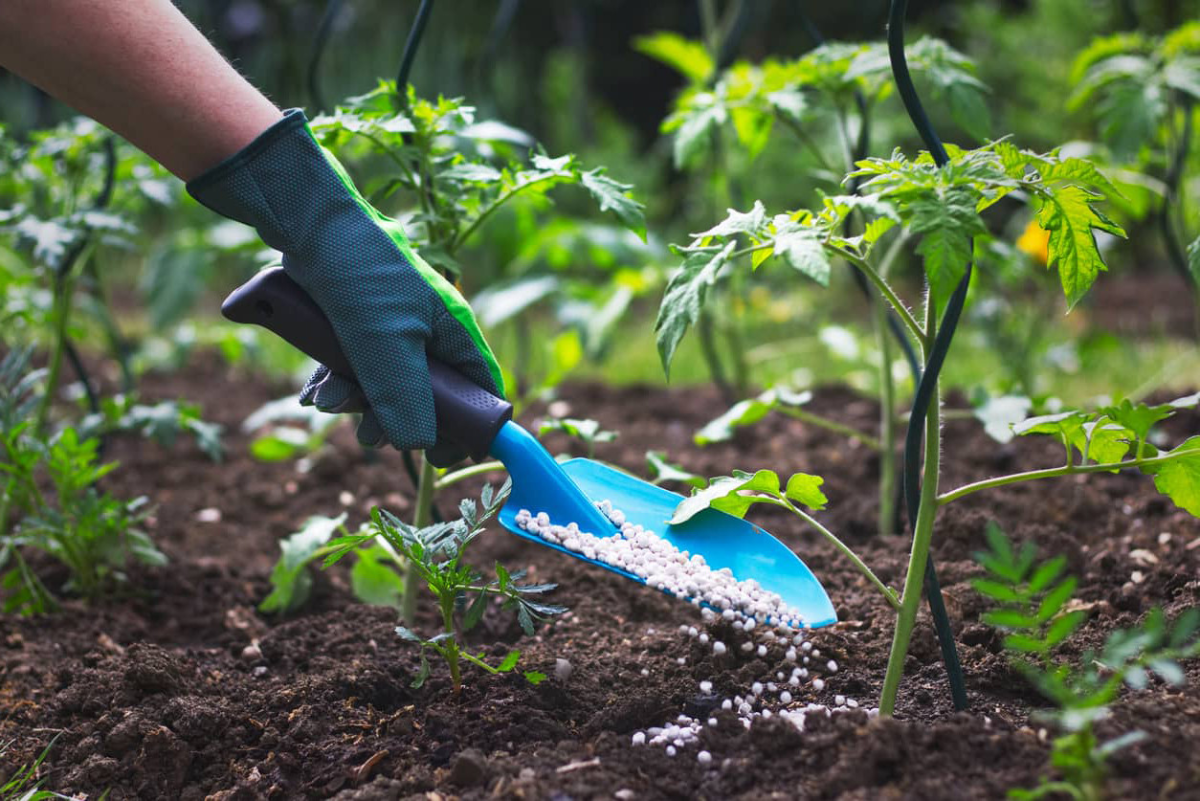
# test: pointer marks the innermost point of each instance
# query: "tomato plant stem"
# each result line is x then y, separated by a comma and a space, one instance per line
61, 306
888, 593
422, 516
1066, 470
887, 422
888, 293
467, 472
914, 578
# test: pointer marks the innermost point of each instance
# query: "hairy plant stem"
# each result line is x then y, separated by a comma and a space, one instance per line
887, 422
466, 472
889, 294
831, 425
914, 577
888, 593
422, 516
451, 648
1066, 470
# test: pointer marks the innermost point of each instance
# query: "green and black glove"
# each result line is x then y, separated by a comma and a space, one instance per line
390, 310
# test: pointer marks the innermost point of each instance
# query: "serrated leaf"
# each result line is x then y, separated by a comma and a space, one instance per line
1069, 214
738, 222
801, 248
534, 677
685, 296
806, 489
475, 611
509, 662
695, 127
1139, 417
1179, 479
612, 196
947, 226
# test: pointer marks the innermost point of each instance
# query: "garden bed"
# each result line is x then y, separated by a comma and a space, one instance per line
157, 695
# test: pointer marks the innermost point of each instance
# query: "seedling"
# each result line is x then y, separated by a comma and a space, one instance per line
162, 423
25, 784
588, 432
90, 533
436, 554
1034, 605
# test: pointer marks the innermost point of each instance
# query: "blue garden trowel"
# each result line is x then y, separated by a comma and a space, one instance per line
482, 425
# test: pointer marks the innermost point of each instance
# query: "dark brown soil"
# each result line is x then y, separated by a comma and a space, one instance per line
152, 696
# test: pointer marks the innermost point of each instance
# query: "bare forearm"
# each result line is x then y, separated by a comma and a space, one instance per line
140, 68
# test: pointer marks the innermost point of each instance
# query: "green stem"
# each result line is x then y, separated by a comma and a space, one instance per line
422, 516
465, 473
888, 293
888, 593
831, 425
457, 242
61, 313
914, 578
887, 422
1066, 470
806, 139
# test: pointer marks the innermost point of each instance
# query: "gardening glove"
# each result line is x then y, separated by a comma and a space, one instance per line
390, 310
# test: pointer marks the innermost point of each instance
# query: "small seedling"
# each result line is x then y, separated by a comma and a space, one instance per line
1034, 607
163, 423
24, 784
435, 553
588, 432
92, 534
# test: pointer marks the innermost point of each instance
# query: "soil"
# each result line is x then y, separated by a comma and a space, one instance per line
181, 689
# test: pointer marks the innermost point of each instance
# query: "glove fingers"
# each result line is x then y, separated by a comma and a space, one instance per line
337, 394
310, 386
370, 433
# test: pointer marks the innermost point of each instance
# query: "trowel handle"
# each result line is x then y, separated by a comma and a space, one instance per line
467, 415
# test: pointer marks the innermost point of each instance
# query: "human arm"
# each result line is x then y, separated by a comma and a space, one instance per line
140, 68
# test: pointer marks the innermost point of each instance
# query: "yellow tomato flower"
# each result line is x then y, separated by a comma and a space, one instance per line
1035, 241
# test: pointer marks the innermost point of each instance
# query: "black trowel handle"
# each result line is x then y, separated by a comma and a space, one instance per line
467, 415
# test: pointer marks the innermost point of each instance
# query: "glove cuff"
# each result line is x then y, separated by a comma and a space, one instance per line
258, 184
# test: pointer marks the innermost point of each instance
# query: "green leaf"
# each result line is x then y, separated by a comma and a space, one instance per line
282, 443
1193, 255
685, 296
1064, 626
662, 471
290, 581
1024, 644
1139, 417
1009, 619
534, 677
408, 634
422, 672
687, 57
588, 431
1069, 214
375, 580
997, 591
1179, 479
804, 488
801, 248
509, 662
693, 127
1056, 598
613, 196
736, 222
1046, 573
722, 493
475, 611
748, 412
1168, 669
947, 225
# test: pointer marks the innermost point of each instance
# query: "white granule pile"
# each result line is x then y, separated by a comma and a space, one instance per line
661, 565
